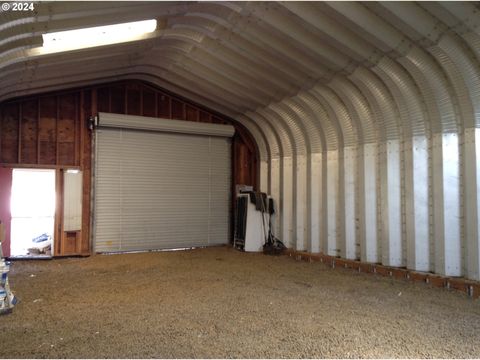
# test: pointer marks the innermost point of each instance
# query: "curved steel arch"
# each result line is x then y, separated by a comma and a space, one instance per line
338, 96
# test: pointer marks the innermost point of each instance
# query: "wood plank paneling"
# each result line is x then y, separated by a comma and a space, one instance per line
29, 132
149, 103
51, 131
48, 130
5, 213
103, 99
191, 113
69, 243
133, 100
58, 231
178, 110
88, 109
217, 120
9, 134
164, 106
117, 94
66, 136
205, 117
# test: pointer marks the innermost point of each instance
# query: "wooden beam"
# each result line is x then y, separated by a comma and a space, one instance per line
39, 166
82, 125
19, 152
126, 100
94, 103
169, 107
110, 99
56, 128
469, 287
58, 213
76, 132
38, 131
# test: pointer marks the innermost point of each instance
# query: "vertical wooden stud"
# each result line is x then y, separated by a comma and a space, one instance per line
82, 125
57, 99
19, 151
75, 132
110, 99
331, 198
38, 131
349, 198
58, 213
126, 100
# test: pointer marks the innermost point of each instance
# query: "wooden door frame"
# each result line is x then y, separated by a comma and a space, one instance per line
6, 177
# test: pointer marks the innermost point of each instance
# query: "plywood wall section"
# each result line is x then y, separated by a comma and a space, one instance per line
51, 131
9, 136
29, 133
40, 132
136, 98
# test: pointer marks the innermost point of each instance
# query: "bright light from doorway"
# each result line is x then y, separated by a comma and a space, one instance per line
97, 36
33, 209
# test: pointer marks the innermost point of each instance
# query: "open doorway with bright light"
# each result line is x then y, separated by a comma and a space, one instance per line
33, 213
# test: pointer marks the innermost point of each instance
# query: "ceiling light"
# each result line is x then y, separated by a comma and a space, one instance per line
97, 36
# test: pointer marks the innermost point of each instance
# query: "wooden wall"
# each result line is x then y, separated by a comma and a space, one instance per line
52, 131
41, 131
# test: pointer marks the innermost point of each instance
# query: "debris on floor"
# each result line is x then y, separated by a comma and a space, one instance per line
42, 245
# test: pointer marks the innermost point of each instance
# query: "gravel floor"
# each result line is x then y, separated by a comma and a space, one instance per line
222, 303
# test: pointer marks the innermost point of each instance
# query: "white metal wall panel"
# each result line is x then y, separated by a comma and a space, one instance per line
301, 206
245, 64
349, 183
416, 191
446, 211
472, 200
276, 187
72, 201
316, 213
157, 190
368, 199
331, 198
390, 192
287, 201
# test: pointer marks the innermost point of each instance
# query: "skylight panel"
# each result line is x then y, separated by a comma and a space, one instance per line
97, 36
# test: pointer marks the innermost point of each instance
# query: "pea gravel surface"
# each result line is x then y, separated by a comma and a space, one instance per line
222, 303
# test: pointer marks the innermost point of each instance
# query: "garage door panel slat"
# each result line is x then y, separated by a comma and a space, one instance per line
156, 190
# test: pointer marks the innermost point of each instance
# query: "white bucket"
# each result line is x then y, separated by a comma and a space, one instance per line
4, 265
3, 298
3, 279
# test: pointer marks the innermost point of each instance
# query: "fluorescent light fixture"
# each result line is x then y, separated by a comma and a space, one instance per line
72, 171
97, 36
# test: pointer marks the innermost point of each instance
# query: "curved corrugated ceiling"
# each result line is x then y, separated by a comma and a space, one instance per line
371, 91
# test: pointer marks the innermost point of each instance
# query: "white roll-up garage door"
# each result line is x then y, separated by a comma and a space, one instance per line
160, 184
